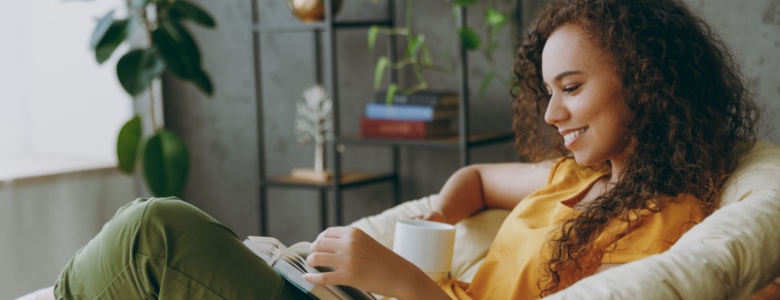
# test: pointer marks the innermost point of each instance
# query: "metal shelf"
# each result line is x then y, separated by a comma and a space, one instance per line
453, 142
326, 74
319, 26
348, 179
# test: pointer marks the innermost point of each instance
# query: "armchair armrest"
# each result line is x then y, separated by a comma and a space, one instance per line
473, 235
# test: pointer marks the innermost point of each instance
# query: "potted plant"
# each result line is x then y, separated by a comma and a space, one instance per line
417, 57
161, 154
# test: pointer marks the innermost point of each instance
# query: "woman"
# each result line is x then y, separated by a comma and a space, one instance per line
650, 116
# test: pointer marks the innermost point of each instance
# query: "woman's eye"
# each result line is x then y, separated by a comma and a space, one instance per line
570, 89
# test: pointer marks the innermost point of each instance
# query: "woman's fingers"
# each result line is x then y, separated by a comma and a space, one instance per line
325, 244
321, 259
434, 216
335, 232
322, 278
360, 261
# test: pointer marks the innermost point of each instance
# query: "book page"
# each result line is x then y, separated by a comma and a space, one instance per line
302, 249
267, 248
290, 262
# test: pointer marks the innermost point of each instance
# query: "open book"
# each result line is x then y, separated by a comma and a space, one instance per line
290, 262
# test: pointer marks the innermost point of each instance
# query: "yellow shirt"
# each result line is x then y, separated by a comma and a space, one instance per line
514, 262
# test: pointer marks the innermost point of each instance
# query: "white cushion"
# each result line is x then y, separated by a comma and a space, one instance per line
33, 295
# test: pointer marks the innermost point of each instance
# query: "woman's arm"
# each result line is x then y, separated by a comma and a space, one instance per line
476, 187
361, 262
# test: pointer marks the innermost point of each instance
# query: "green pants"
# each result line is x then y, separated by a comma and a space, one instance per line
168, 249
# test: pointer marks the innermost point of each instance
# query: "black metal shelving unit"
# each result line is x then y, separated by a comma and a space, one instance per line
326, 74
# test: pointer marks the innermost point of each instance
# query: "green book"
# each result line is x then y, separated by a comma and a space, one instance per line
290, 262
423, 98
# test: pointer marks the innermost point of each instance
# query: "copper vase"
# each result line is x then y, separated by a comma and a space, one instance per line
312, 10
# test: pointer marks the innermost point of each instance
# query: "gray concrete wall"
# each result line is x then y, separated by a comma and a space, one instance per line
752, 30
222, 131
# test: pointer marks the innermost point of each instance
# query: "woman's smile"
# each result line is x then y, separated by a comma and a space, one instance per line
569, 136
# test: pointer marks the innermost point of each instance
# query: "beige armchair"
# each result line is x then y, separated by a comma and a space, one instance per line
733, 254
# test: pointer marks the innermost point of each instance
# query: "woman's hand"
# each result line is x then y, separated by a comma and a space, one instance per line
361, 262
434, 215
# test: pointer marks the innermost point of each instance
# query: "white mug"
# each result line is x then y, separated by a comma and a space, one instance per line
426, 244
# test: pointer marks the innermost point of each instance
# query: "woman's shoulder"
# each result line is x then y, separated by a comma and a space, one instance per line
567, 170
685, 205
680, 209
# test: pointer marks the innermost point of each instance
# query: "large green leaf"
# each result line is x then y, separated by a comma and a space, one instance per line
136, 70
107, 36
177, 48
166, 164
101, 28
469, 38
116, 34
127, 144
186, 10
203, 82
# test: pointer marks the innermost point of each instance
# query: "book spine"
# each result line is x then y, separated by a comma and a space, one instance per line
400, 112
413, 99
392, 129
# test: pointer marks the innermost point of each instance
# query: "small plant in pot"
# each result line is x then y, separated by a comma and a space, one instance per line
482, 38
161, 155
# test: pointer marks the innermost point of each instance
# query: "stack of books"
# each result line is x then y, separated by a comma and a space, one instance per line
422, 115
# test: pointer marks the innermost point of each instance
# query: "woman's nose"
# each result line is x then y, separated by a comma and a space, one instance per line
556, 112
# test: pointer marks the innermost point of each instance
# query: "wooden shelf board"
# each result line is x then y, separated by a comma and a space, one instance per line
347, 179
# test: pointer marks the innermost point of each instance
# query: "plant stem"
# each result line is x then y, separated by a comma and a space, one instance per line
421, 82
148, 29
408, 15
155, 127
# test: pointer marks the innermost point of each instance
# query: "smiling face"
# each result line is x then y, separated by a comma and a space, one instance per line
586, 101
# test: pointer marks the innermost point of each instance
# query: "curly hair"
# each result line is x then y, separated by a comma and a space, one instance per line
694, 116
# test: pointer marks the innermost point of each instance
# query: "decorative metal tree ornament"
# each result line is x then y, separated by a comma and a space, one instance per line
314, 123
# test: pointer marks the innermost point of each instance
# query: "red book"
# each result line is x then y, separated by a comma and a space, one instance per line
398, 129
